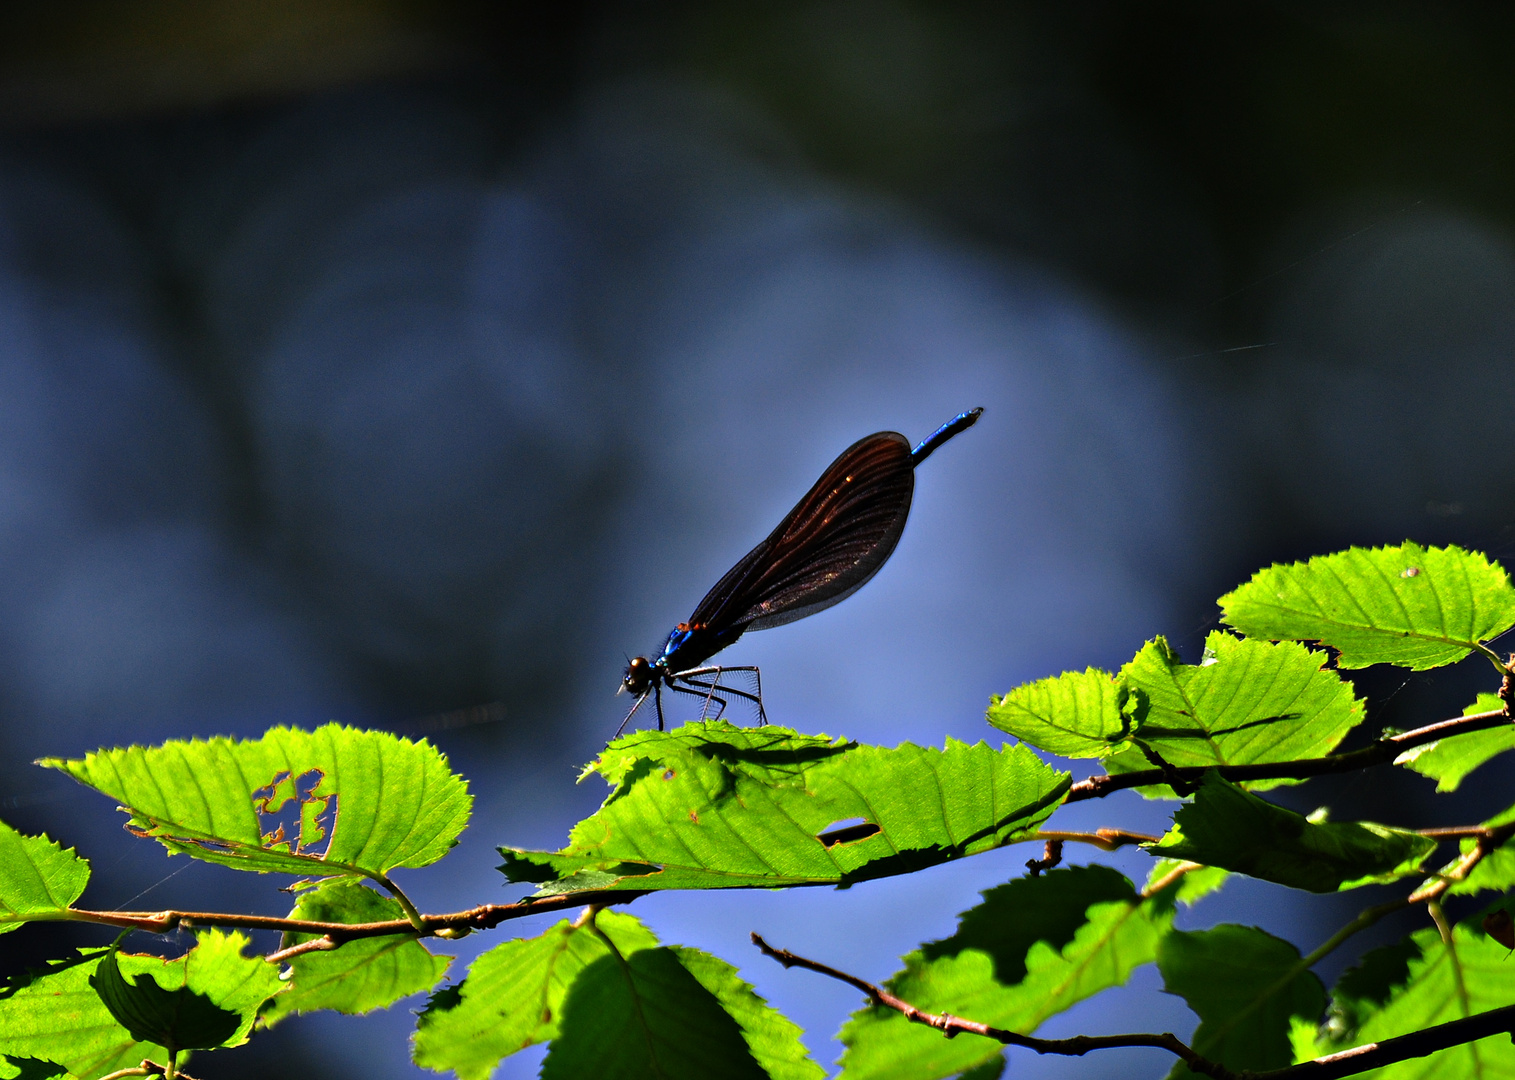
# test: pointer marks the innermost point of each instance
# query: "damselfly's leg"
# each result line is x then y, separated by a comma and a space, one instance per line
756, 699
706, 691
635, 705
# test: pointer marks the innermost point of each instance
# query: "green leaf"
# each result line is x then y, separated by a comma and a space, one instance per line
1246, 702
1447, 761
1496, 870
643, 1013
361, 975
1076, 714
1362, 990
335, 801
53, 1014
1227, 827
38, 878
1409, 605
206, 998
1438, 984
771, 1037
56, 1014
716, 806
1246, 987
176, 1018
1033, 948
513, 995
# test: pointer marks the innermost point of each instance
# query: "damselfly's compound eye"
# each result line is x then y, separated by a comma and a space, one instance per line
638, 676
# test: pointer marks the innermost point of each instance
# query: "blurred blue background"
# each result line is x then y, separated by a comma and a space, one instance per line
411, 364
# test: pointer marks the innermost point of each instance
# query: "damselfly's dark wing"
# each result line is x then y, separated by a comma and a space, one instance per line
828, 546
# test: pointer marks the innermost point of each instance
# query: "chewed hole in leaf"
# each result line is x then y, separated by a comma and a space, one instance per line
292, 817
846, 831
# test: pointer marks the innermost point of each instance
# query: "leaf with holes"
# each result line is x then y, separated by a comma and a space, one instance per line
1246, 702
712, 805
1227, 827
1033, 948
1422, 983
1077, 714
335, 801
1412, 606
1448, 761
1246, 987
38, 878
363, 974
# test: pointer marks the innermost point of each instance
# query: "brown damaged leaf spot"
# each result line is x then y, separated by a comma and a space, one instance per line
289, 806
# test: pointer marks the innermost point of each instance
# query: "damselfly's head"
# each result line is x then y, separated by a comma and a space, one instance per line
639, 677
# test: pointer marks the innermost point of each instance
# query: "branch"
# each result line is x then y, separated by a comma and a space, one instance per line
483, 917
1401, 1048
1382, 752
1346, 1063
950, 1025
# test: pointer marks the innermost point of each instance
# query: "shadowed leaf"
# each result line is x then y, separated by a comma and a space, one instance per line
1243, 984
1227, 827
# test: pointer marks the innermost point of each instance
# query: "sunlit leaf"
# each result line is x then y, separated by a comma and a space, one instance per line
712, 805
513, 995
1234, 829
57, 1014
1496, 870
1076, 714
53, 1014
1033, 948
1246, 987
772, 1038
362, 975
1246, 702
206, 998
38, 877
335, 801
1447, 761
1408, 605
1424, 983
172, 1016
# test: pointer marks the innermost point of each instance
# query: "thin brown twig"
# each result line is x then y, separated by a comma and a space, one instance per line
1382, 752
1359, 1059
483, 917
951, 1026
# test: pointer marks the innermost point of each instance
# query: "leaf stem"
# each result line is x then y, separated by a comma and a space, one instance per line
404, 901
